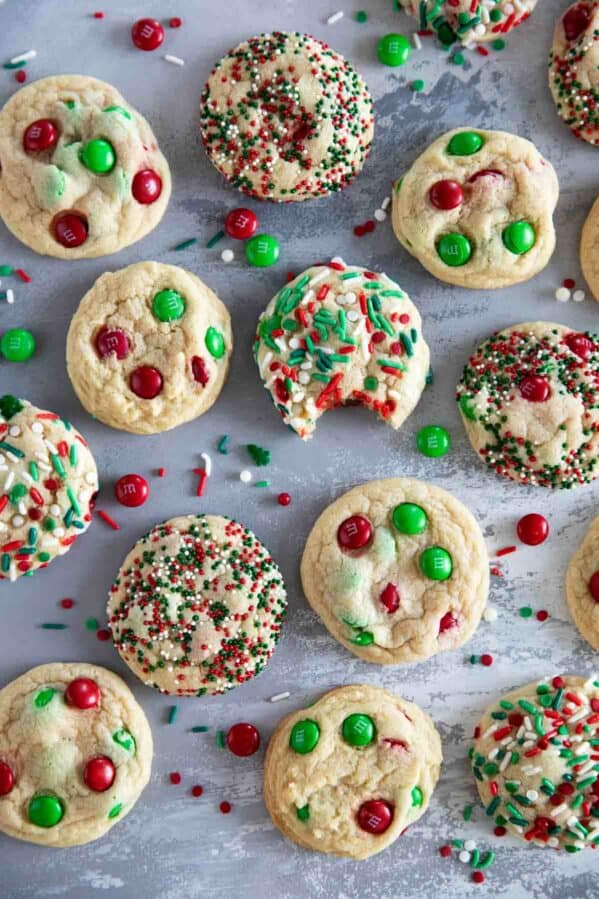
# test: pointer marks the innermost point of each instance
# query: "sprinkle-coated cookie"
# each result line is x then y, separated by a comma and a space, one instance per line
466, 21
574, 69
589, 249
582, 586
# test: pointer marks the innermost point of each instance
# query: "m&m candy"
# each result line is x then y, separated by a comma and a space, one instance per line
393, 49
533, 529
433, 441
354, 533
576, 20
465, 143
436, 563
146, 382
241, 224
580, 344
147, 34
82, 693
98, 156
390, 598
40, 135
45, 810
146, 186
99, 774
70, 229
594, 586
454, 249
112, 340
304, 736
7, 778
215, 343
408, 518
243, 739
534, 388
446, 194
262, 250
375, 816
17, 345
131, 490
519, 237
168, 305
358, 730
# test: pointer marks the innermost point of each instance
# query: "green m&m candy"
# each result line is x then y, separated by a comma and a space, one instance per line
466, 407
519, 237
98, 156
125, 740
433, 441
417, 797
215, 343
364, 638
45, 810
465, 143
304, 736
358, 730
168, 305
262, 250
436, 563
303, 813
408, 518
393, 49
44, 697
454, 249
17, 345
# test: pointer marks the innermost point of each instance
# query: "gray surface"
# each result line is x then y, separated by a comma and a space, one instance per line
173, 845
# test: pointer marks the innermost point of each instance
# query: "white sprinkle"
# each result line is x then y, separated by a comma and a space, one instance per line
245, 476
37, 427
464, 856
334, 18
490, 730
578, 296
469, 845
14, 431
303, 377
207, 463
532, 795
385, 202
353, 316
90, 477
278, 696
294, 343
23, 57
490, 614
416, 41
562, 294
338, 260
380, 215
227, 255
10, 296
17, 521
175, 60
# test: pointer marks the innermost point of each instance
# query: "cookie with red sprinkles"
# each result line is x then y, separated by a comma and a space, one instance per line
469, 20
197, 606
535, 761
48, 479
530, 404
284, 117
574, 69
582, 586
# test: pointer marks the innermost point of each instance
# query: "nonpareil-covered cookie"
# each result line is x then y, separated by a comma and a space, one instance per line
82, 174
197, 606
398, 570
529, 403
465, 21
284, 117
534, 760
574, 69
341, 334
476, 209
148, 348
48, 479
75, 754
349, 773
582, 586
589, 249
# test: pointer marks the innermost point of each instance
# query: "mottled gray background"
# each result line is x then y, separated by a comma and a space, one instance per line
173, 845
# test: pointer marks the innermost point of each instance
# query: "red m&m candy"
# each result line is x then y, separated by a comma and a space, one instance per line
146, 382
579, 344
99, 773
375, 816
146, 186
446, 194
576, 20
354, 533
7, 779
83, 693
40, 135
112, 340
485, 173
390, 598
241, 223
199, 370
131, 490
594, 586
70, 229
447, 622
535, 389
243, 739
533, 529
147, 34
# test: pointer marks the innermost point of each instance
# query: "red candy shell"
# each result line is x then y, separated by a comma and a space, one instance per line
579, 344
82, 693
7, 779
535, 389
146, 382
446, 194
131, 490
146, 186
576, 20
147, 34
354, 533
533, 529
375, 816
241, 223
40, 135
594, 586
112, 340
390, 598
70, 230
243, 739
99, 774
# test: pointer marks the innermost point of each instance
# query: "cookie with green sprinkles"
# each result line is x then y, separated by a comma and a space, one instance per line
582, 586
529, 401
340, 334
48, 478
476, 209
349, 773
284, 117
468, 20
197, 606
398, 571
574, 69
535, 762
75, 754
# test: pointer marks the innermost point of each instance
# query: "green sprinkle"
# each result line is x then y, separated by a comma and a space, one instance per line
486, 861
303, 813
6, 270
220, 739
58, 466
75, 505
389, 363
259, 455
200, 729
44, 697
92, 624
214, 240
222, 445
370, 383
493, 806
467, 813
361, 16
347, 275
417, 85
525, 612
51, 626
188, 243
262, 484
527, 706
474, 858
458, 59
115, 810
7, 447
15, 65
172, 714
498, 44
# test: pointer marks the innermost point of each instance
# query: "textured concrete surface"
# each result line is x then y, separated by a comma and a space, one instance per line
173, 845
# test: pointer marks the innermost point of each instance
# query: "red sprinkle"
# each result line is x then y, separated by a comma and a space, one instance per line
478, 877
103, 634
569, 283
505, 551
98, 15
197, 790
175, 22
203, 476
175, 777
290, 277
482, 50
225, 807
283, 499
67, 603
542, 615
445, 851
500, 831
161, 472
109, 521
23, 275
21, 76
486, 659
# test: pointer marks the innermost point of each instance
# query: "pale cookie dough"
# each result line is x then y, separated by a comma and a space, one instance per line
574, 69
197, 606
340, 334
398, 570
582, 586
476, 209
75, 754
533, 760
589, 249
48, 479
351, 772
455, 20
50, 198
284, 117
148, 348
529, 403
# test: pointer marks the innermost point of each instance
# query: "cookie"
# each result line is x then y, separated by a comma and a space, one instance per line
476, 209
48, 479
348, 774
339, 334
148, 348
582, 586
197, 606
398, 570
284, 117
589, 249
533, 760
457, 20
82, 174
530, 404
75, 754
574, 69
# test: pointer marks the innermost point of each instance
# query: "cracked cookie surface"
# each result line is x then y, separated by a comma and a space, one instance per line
582, 586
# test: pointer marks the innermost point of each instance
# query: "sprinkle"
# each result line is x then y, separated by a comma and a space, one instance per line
284, 499
578, 296
525, 612
103, 634
207, 463
569, 283
262, 484
51, 626
222, 445
215, 239
490, 614
486, 659
197, 790
21, 76
542, 615
23, 57
92, 624
175, 22
200, 729
498, 44
505, 551
467, 813
417, 85
445, 851
172, 714
259, 455
464, 857
203, 477
562, 294
416, 41
380, 215
478, 877
6, 270
334, 18
279, 696
23, 275
220, 739
175, 777
361, 16
482, 50
175, 60
245, 476
227, 256
186, 243
161, 472
225, 807
109, 521
67, 603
